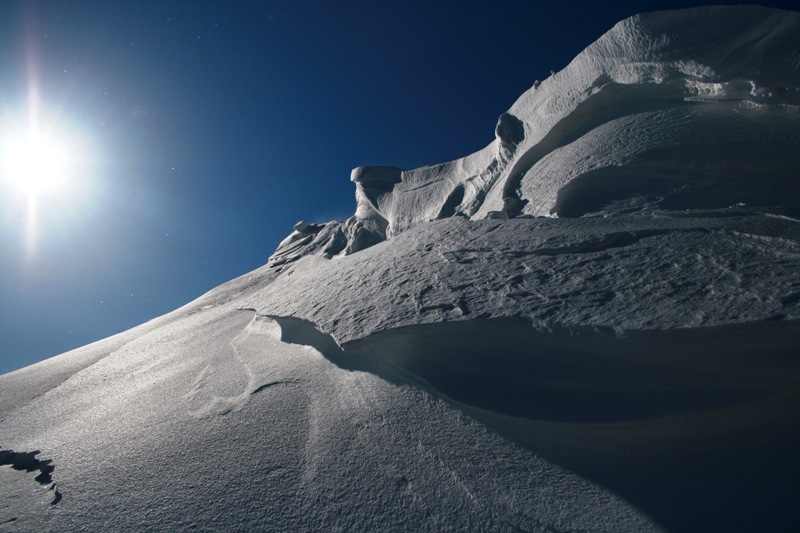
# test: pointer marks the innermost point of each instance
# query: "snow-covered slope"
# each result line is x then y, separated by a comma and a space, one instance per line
593, 324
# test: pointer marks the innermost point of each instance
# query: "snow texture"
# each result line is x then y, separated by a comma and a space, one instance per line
593, 324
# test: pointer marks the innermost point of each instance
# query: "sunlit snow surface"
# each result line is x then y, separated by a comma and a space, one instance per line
449, 360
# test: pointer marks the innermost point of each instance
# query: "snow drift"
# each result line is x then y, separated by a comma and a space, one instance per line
591, 324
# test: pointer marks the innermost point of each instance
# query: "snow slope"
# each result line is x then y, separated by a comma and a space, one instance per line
590, 325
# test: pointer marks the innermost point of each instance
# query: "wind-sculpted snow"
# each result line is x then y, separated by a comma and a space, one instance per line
666, 83
696, 108
656, 347
602, 275
449, 360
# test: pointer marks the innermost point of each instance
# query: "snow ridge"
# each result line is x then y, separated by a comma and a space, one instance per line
682, 109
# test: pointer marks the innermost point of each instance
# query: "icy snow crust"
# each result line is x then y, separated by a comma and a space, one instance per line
601, 276
593, 324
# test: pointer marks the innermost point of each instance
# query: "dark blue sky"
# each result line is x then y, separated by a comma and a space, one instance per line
213, 126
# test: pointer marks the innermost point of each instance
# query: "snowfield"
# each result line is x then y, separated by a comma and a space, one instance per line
593, 324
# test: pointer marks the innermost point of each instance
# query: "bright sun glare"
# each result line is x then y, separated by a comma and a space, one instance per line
43, 164
35, 164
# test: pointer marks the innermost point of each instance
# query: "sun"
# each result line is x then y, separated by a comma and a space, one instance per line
35, 164
45, 173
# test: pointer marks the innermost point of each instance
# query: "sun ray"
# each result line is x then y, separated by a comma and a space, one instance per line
30, 224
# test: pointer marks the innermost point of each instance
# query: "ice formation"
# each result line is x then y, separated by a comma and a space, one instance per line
664, 111
590, 325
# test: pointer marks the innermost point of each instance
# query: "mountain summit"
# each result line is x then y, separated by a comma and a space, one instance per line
592, 324
668, 110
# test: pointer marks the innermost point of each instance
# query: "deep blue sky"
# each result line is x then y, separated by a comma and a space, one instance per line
213, 127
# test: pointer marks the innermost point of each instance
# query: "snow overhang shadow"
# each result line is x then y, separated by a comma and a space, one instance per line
506, 368
719, 406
